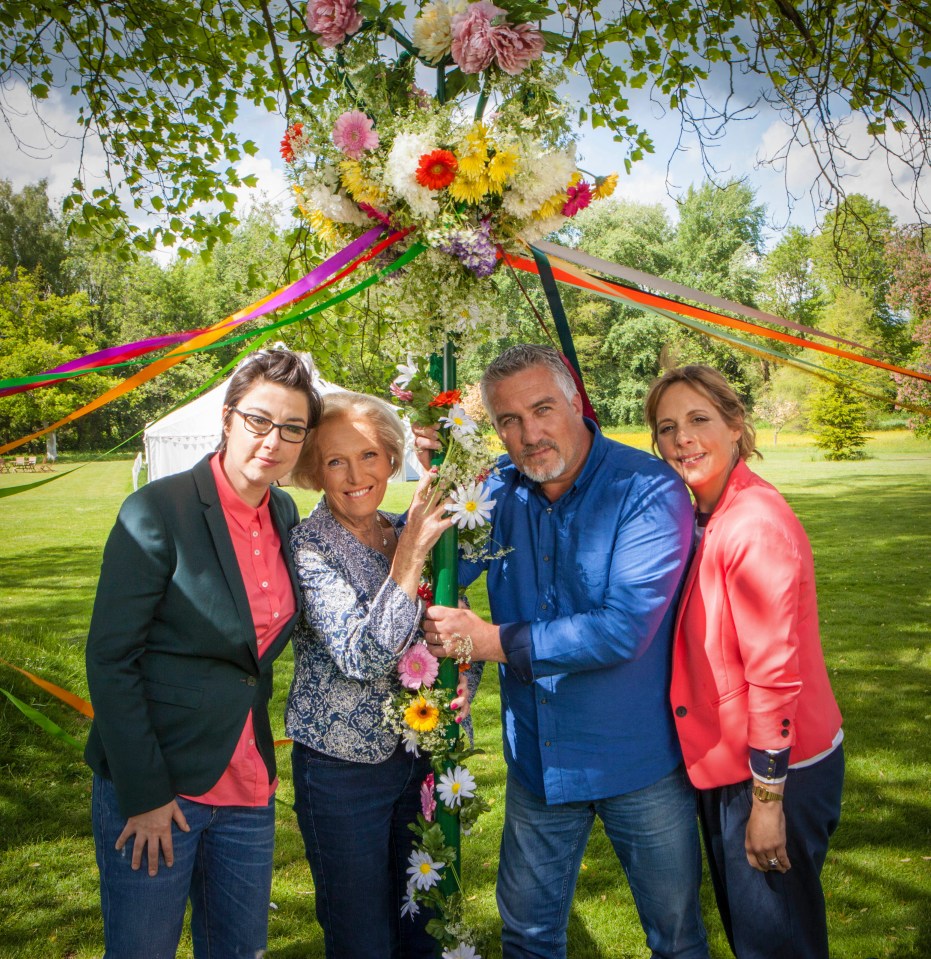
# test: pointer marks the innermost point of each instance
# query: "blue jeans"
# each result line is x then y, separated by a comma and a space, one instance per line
771, 915
223, 865
655, 835
354, 819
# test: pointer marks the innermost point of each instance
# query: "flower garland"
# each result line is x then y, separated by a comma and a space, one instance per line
418, 713
385, 151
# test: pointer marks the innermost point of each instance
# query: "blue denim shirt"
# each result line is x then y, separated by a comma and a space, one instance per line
586, 601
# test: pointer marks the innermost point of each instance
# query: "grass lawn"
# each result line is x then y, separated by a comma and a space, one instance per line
870, 525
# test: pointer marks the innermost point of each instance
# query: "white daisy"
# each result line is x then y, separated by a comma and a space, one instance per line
462, 951
456, 785
458, 421
424, 872
471, 506
410, 906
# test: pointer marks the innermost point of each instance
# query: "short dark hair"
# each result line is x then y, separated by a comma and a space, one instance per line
709, 382
281, 367
522, 357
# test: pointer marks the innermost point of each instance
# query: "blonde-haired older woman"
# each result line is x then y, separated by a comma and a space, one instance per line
356, 786
758, 724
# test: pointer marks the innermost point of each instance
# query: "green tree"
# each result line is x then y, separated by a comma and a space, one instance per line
38, 331
32, 236
839, 416
788, 285
161, 85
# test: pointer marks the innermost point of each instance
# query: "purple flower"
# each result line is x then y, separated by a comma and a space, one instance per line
474, 249
354, 133
332, 20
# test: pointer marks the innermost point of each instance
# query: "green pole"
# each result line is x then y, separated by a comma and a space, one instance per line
446, 593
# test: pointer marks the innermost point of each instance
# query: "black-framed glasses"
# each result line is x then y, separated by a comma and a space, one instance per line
262, 426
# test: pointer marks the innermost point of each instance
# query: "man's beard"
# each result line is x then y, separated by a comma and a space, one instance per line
541, 474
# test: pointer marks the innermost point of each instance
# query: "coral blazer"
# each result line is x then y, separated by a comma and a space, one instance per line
748, 669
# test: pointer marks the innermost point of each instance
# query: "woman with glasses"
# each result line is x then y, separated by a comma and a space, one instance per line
197, 597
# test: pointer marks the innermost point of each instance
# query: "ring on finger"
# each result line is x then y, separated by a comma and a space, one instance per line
772, 863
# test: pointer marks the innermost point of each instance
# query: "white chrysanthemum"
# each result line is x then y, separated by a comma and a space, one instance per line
537, 229
407, 372
433, 28
424, 872
334, 206
537, 179
459, 422
401, 168
471, 506
455, 785
409, 738
462, 951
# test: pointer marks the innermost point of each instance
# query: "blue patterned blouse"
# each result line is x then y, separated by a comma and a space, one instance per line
355, 625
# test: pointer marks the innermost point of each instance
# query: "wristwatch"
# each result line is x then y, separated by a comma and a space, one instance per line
766, 795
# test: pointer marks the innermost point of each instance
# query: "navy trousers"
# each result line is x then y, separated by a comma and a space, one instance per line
773, 915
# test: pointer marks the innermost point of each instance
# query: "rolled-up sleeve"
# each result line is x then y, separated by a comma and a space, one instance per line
363, 638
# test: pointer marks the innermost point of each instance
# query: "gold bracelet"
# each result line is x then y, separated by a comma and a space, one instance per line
766, 795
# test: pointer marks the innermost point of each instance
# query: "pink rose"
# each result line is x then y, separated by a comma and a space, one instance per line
516, 47
471, 48
332, 20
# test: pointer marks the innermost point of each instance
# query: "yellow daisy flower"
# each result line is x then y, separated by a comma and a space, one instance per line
605, 186
552, 206
502, 165
323, 226
472, 165
421, 715
359, 186
468, 190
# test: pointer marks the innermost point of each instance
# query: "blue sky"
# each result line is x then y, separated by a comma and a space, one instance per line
659, 178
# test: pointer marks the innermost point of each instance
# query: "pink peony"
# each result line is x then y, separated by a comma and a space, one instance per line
516, 47
427, 799
332, 20
471, 48
580, 196
354, 133
417, 667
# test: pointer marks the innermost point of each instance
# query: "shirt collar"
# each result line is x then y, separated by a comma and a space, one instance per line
234, 506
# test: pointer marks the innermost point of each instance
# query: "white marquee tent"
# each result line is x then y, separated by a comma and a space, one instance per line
180, 439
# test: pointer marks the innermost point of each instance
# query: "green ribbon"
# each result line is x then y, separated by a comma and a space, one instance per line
43, 721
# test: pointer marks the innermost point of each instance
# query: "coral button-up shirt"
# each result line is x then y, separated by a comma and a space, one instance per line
272, 602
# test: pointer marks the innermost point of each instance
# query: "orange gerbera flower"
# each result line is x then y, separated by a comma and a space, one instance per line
449, 398
421, 715
437, 169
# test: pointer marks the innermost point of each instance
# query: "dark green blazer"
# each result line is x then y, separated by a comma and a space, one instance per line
172, 661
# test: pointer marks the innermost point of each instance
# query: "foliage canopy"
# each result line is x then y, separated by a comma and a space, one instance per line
160, 85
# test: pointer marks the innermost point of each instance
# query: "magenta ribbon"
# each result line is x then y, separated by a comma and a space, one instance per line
117, 354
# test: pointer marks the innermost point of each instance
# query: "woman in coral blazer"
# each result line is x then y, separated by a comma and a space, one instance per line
758, 724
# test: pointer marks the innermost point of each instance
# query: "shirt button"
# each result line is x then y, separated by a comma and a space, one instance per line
785, 733
543, 701
785, 722
251, 681
264, 585
251, 742
547, 743
255, 533
260, 641
546, 559
681, 711
275, 615
543, 606
258, 552
549, 509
